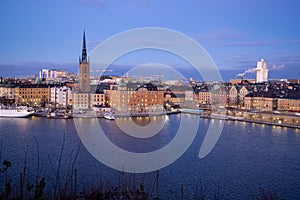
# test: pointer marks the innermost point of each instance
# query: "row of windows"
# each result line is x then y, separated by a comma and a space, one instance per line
81, 102
98, 99
6, 92
82, 96
151, 104
32, 96
136, 96
35, 92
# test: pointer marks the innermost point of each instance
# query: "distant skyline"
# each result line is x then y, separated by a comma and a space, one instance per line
235, 33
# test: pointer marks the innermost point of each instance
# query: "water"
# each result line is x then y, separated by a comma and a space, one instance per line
248, 157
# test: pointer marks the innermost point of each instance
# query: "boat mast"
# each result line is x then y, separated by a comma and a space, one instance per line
55, 99
48, 99
66, 100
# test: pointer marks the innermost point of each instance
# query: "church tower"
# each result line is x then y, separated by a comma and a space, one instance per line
84, 70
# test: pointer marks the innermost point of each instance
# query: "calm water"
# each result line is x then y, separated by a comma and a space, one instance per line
240, 165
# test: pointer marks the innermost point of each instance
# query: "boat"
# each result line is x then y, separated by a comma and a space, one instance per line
20, 111
109, 116
59, 115
218, 116
235, 118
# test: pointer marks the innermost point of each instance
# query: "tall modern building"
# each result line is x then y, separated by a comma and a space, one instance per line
84, 70
261, 71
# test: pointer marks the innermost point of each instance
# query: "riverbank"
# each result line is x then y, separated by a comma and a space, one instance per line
93, 114
276, 119
284, 119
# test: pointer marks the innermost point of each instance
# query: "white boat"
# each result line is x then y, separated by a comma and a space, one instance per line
109, 116
218, 116
235, 118
22, 111
59, 115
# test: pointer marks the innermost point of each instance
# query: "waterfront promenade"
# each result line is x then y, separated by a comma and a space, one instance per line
284, 119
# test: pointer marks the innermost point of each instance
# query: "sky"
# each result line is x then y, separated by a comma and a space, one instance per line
235, 33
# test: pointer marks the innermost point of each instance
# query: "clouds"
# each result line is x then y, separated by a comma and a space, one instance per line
225, 33
237, 48
259, 43
278, 67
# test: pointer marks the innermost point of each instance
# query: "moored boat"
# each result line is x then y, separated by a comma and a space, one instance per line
109, 116
235, 118
21, 111
59, 115
218, 116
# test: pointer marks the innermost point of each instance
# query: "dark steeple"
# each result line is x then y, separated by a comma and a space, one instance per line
84, 55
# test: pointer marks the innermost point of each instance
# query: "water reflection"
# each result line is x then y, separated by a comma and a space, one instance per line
278, 130
267, 158
142, 127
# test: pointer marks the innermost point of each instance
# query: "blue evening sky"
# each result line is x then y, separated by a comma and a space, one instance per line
236, 33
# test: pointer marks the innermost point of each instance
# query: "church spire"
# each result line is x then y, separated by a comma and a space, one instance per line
84, 54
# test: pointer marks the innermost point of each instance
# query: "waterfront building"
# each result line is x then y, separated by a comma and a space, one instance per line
97, 99
7, 91
182, 95
261, 101
242, 93
97, 96
61, 95
81, 101
261, 71
33, 95
237, 95
233, 96
219, 96
287, 104
184, 92
202, 95
135, 97
204, 98
291, 100
81, 96
171, 99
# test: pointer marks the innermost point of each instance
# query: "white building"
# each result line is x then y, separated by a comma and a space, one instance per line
61, 95
57, 74
44, 74
52, 74
261, 71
